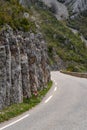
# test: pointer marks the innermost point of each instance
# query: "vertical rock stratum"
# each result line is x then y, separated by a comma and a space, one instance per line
23, 65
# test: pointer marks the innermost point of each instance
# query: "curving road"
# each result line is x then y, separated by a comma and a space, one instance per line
63, 108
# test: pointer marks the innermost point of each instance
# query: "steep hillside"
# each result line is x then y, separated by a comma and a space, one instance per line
78, 15
65, 49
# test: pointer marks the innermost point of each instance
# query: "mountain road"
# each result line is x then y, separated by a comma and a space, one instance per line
63, 108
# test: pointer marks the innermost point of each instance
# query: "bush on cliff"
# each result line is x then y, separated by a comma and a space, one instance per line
12, 13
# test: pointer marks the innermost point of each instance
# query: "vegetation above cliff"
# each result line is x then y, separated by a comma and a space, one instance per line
12, 13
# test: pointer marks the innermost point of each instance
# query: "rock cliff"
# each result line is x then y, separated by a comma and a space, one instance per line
61, 10
23, 65
77, 6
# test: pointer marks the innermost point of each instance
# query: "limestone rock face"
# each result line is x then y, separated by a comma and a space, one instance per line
77, 5
61, 10
23, 65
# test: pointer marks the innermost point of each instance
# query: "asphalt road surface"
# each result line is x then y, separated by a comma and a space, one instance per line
63, 108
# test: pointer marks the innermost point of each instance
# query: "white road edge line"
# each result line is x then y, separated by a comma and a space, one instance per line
55, 89
48, 98
14, 122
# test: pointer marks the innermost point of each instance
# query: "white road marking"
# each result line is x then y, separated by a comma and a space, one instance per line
55, 83
14, 122
48, 98
55, 89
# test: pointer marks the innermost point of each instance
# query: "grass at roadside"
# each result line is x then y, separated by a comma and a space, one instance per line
18, 109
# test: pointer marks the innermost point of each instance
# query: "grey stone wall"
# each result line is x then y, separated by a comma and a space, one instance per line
23, 65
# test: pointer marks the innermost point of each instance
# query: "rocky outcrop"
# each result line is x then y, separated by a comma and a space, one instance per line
60, 12
23, 65
76, 6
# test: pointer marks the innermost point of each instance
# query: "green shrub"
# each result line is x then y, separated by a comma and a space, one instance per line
12, 13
